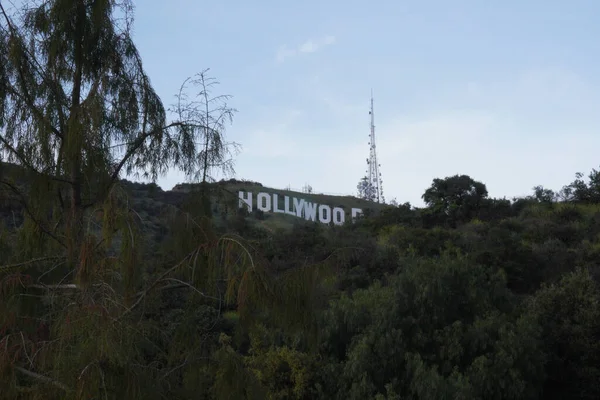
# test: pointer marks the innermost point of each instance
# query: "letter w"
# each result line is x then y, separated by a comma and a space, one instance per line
310, 211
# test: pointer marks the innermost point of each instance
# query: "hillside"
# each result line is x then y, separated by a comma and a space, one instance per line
154, 204
116, 290
226, 197
470, 297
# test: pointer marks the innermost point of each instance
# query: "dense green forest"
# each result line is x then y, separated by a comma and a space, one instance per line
111, 289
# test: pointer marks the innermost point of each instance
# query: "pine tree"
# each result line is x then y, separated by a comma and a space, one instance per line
89, 308
211, 114
77, 110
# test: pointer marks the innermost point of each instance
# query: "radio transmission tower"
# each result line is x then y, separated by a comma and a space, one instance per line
375, 182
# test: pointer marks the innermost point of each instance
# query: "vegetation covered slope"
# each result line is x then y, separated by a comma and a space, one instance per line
419, 303
113, 290
225, 201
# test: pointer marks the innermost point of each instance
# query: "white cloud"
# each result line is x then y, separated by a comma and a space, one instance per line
283, 53
274, 140
271, 143
310, 46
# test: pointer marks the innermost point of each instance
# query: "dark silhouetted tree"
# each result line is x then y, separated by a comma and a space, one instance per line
456, 198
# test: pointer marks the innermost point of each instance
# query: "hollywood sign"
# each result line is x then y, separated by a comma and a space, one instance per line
297, 207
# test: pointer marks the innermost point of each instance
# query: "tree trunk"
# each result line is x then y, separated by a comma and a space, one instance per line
74, 145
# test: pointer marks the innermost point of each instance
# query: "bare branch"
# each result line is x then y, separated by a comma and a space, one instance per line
185, 284
29, 262
69, 286
43, 378
143, 294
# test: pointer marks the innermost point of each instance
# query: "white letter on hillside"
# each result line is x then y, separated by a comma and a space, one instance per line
267, 200
286, 206
325, 218
247, 200
355, 213
339, 216
276, 204
310, 211
299, 207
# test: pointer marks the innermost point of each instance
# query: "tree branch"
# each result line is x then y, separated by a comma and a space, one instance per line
28, 165
134, 146
27, 209
71, 286
40, 71
182, 284
24, 263
161, 278
27, 100
43, 378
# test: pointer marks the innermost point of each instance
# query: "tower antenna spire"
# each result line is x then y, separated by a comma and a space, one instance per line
374, 178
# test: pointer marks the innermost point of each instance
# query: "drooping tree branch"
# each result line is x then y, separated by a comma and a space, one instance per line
43, 378
28, 262
210, 121
34, 218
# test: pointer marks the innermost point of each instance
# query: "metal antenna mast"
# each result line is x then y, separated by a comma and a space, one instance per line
375, 181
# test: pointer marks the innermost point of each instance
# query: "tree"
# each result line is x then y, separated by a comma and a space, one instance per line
568, 313
544, 195
580, 191
81, 285
437, 328
78, 110
366, 190
457, 197
211, 114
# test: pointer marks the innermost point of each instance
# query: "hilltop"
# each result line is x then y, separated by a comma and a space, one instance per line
153, 203
226, 197
452, 295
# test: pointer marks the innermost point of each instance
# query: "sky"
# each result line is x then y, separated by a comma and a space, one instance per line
506, 92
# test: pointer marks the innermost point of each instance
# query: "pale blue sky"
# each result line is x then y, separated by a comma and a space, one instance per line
504, 91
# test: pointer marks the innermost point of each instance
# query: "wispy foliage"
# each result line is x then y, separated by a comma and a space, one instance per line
210, 115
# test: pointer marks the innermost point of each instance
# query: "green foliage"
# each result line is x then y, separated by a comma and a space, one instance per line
439, 328
569, 314
285, 373
117, 290
455, 199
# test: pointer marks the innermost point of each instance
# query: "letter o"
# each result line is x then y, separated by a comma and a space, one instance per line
325, 219
339, 216
267, 200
